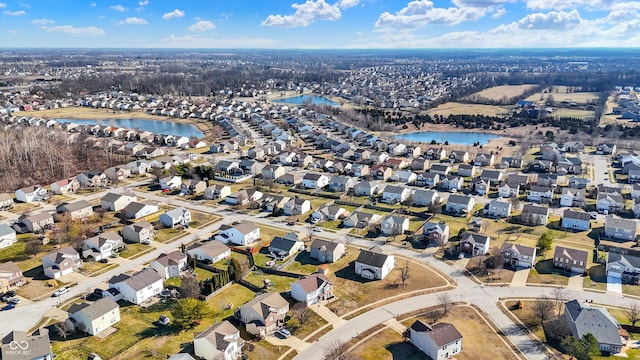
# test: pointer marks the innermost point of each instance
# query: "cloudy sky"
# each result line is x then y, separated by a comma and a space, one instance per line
320, 23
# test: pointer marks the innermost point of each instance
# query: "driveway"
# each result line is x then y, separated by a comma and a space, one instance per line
575, 282
520, 277
614, 284
292, 342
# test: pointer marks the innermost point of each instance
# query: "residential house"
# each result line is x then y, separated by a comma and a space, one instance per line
373, 264
475, 244
8, 236
139, 167
244, 196
264, 314
425, 197
209, 252
497, 209
360, 220
540, 194
460, 204
342, 183
116, 173
575, 182
312, 289
92, 178
6, 201
381, 172
428, 180
466, 170
378, 157
405, 177
617, 228
31, 194
176, 217
138, 287
623, 266
170, 265
117, 202
479, 186
583, 319
287, 245
606, 149
507, 189
440, 169
273, 172
102, 246
171, 183
436, 154
534, 215
395, 194
329, 213
243, 234
459, 156
315, 181
221, 341
572, 260
360, 170
217, 191
274, 203
61, 262
452, 182
518, 256
572, 197
137, 210
193, 187
484, 159
366, 188
11, 276
437, 233
573, 146
77, 210
438, 341
548, 180
36, 222
139, 232
326, 251
392, 225
609, 202
511, 162
420, 164
39, 346
65, 186
297, 206
94, 317
575, 220
493, 177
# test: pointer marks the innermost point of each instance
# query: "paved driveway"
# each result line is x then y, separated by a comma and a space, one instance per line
292, 342
614, 284
575, 282
520, 277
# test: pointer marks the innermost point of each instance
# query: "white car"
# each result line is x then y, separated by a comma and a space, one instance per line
62, 290
14, 300
317, 229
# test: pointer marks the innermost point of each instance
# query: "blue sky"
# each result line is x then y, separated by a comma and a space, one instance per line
322, 24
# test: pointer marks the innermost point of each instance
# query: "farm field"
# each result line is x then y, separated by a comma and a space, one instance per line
456, 108
560, 94
499, 92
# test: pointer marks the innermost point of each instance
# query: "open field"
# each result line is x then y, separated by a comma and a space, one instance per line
467, 109
573, 113
559, 94
90, 113
499, 92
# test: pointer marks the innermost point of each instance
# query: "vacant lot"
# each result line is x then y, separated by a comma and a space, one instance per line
467, 109
560, 94
573, 113
90, 113
500, 92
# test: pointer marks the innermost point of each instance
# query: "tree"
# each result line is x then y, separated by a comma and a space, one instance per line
236, 271
338, 351
100, 212
544, 242
435, 208
542, 310
515, 202
33, 247
633, 313
404, 273
188, 312
189, 287
559, 297
446, 302
62, 328
581, 349
302, 312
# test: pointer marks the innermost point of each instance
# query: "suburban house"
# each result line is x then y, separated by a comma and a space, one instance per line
606, 149
39, 345
30, 194
171, 183
394, 225
575, 220
209, 252
395, 194
116, 173
624, 266
315, 181
138, 287
102, 246
137, 210
6, 201
217, 191
329, 213
440, 169
617, 228
360, 220
312, 289
460, 204
61, 262
572, 197
221, 341
273, 172
540, 194
287, 245
243, 234
117, 202
452, 182
92, 178
381, 172
568, 259
459, 156
243, 196
436, 154
139, 232
585, 319
193, 187
36, 222
518, 256
508, 189
95, 317
466, 170
438, 341
609, 202
437, 233
342, 183
405, 176
493, 177
264, 314
10, 276
428, 180
497, 209
175, 217
274, 203
479, 186
65, 186
423, 197
326, 251
8, 236
297, 206
373, 264
484, 159
366, 188
170, 265
534, 215
475, 244
77, 210
139, 167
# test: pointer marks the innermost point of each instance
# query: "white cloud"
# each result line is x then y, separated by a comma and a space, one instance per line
133, 21
569, 4
555, 20
15, 13
420, 13
202, 25
177, 13
3, 5
143, 3
479, 3
118, 8
43, 22
500, 11
309, 12
77, 31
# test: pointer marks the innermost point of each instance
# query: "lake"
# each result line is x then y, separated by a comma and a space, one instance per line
307, 99
154, 126
453, 137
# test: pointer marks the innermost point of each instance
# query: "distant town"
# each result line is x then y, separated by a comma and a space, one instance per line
319, 205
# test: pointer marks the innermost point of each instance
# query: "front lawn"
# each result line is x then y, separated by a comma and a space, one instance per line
278, 283
544, 273
597, 279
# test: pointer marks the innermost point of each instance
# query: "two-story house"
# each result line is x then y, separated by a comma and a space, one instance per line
575, 220
264, 314
102, 246
617, 228
437, 233
138, 287
61, 262
139, 232
572, 260
326, 251
438, 341
373, 264
170, 265
95, 317
474, 244
312, 289
221, 341
516, 255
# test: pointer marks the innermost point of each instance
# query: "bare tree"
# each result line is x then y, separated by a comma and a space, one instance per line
100, 212
338, 351
633, 313
302, 312
33, 247
404, 273
542, 309
446, 302
559, 297
62, 328
189, 287
515, 202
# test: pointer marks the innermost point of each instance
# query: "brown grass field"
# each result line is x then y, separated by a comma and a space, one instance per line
562, 95
573, 113
456, 108
498, 92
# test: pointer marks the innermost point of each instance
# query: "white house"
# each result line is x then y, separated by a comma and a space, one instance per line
285, 245
315, 181
498, 209
516, 255
170, 265
217, 191
221, 341
394, 225
8, 236
576, 220
438, 341
210, 251
61, 262
137, 210
171, 183
312, 289
395, 194
372, 264
475, 244
617, 228
117, 202
30, 194
139, 232
297, 206
94, 317
174, 217
139, 287
243, 234
102, 246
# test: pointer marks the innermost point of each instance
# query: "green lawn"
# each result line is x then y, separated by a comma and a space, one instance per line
235, 295
133, 250
597, 279
544, 273
278, 283
167, 234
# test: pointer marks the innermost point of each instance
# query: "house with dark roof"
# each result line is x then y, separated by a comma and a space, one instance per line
170, 265
576, 220
220, 341
286, 245
394, 225
360, 219
138, 287
137, 210
373, 264
534, 215
568, 259
497, 209
422, 197
326, 251
475, 244
459, 204
117, 202
618, 228
315, 181
610, 202
624, 266
436, 233
264, 314
583, 319
395, 194
312, 289
94, 317
516, 255
438, 341
466, 170
296, 206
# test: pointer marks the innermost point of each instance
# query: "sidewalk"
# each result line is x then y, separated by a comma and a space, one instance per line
328, 315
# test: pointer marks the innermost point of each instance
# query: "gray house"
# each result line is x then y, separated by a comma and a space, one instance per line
326, 251
576, 220
585, 319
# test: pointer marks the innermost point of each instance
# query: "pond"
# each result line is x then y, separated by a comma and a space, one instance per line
154, 126
453, 137
307, 99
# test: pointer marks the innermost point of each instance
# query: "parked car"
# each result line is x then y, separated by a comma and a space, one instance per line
593, 215
9, 306
14, 300
317, 229
103, 261
59, 292
164, 320
8, 295
284, 333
